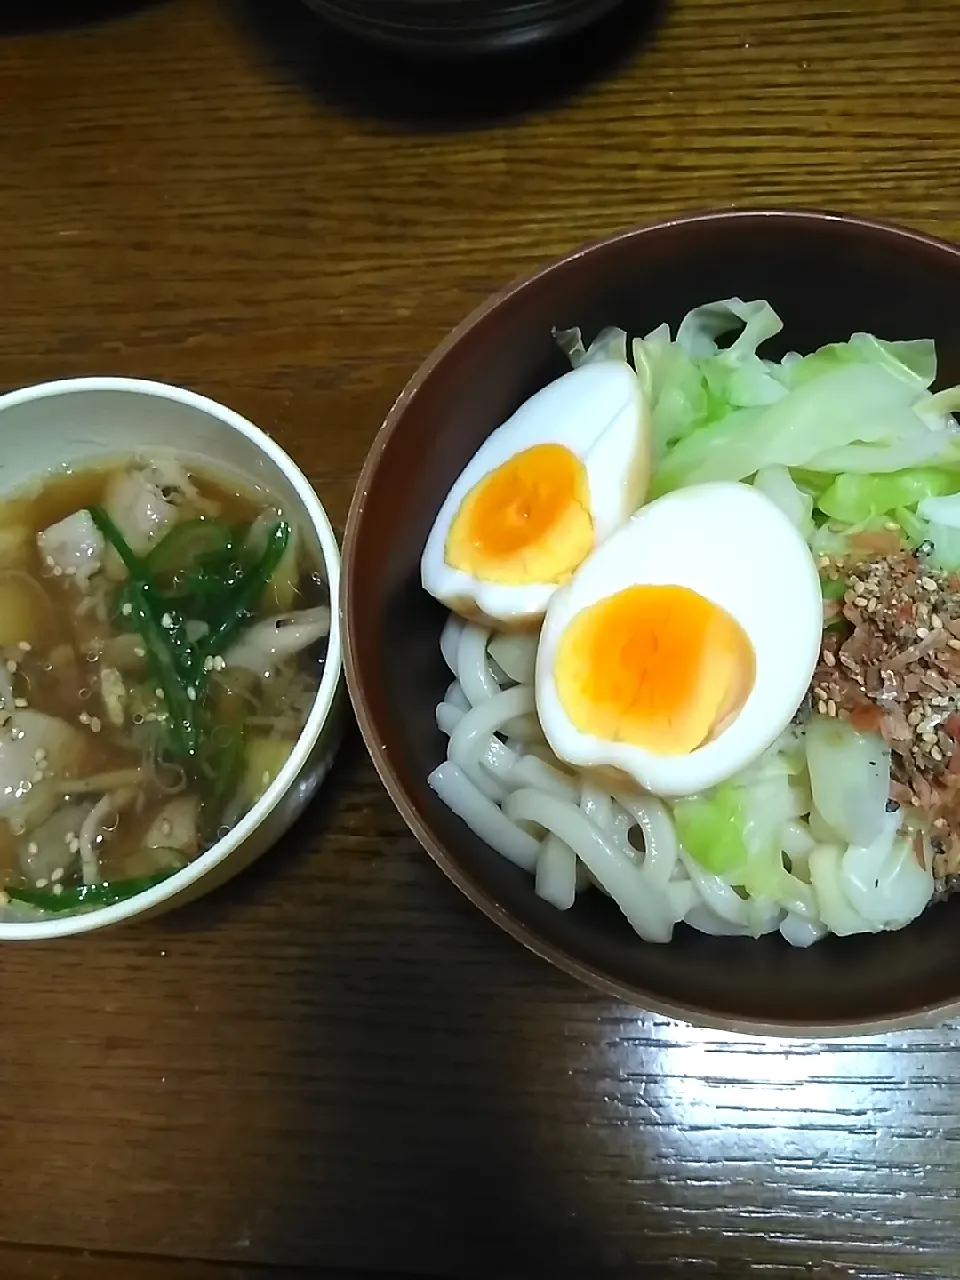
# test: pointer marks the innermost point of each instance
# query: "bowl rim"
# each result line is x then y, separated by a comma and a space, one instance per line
323, 703
480, 897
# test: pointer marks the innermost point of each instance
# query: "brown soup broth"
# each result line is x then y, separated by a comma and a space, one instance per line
71, 654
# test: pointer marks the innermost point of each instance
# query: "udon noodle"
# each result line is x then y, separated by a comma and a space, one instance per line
572, 831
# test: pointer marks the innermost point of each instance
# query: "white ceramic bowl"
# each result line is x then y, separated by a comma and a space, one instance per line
59, 425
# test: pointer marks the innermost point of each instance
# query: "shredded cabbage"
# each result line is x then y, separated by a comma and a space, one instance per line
849, 778
795, 503
915, 362
857, 498
712, 829
852, 412
806, 428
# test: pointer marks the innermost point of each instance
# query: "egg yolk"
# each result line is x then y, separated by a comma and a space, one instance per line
526, 521
658, 667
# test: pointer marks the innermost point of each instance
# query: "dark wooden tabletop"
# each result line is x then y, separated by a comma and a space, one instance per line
335, 1064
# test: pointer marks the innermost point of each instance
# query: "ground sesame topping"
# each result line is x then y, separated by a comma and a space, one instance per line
894, 667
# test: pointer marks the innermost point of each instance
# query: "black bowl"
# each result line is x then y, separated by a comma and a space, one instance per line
462, 26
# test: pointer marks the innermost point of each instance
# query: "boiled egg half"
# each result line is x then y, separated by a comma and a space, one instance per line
542, 492
682, 647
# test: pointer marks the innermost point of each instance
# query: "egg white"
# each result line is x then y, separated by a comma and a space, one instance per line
731, 544
599, 413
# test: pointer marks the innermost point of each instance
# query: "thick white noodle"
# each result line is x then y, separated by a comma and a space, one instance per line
556, 880
483, 817
596, 804
622, 879
660, 844
531, 772
450, 641
473, 670
526, 729
571, 832
472, 736
515, 655
619, 832
456, 697
448, 717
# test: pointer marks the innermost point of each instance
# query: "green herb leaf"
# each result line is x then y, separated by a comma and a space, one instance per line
165, 651
87, 895
247, 591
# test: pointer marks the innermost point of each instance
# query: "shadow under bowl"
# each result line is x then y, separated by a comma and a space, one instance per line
828, 276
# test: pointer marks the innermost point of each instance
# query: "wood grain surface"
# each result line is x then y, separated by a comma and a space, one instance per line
334, 1063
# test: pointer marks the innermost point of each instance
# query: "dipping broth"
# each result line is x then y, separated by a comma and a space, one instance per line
162, 638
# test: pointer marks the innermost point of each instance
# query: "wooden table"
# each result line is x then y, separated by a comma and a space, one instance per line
335, 1063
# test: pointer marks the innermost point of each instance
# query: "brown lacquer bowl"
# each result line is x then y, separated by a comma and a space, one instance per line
828, 276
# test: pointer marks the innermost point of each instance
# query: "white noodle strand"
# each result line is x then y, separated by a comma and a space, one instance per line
621, 878
556, 880
484, 817
473, 671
